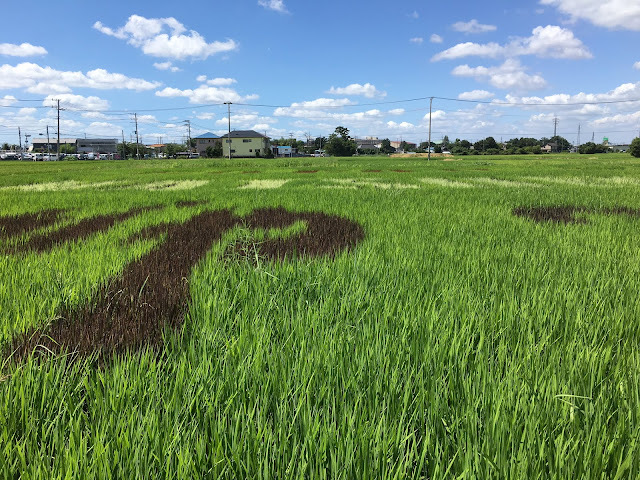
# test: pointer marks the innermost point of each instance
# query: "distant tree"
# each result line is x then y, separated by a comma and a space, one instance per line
171, 149
488, 143
319, 143
437, 149
634, 148
5, 146
562, 143
591, 148
214, 151
340, 143
385, 146
446, 143
67, 149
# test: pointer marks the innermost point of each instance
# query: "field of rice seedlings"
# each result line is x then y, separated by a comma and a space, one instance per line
321, 318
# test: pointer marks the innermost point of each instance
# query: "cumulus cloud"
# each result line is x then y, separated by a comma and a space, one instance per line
206, 94
366, 90
7, 101
396, 111
275, 5
415, 15
77, 102
417, 40
627, 92
435, 38
166, 38
550, 41
43, 80
613, 14
221, 82
510, 75
166, 66
473, 26
636, 65
22, 50
475, 95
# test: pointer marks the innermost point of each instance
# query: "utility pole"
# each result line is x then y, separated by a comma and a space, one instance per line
188, 123
135, 116
20, 142
555, 131
578, 135
58, 145
48, 144
429, 145
124, 149
228, 104
593, 137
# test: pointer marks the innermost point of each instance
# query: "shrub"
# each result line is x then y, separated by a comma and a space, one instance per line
634, 148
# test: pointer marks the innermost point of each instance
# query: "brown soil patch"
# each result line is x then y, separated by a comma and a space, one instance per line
152, 293
567, 214
81, 230
15, 225
307, 171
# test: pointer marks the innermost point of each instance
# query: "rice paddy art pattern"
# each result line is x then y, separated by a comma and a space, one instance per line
152, 293
567, 214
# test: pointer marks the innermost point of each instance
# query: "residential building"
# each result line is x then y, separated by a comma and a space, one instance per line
205, 141
396, 144
244, 143
368, 143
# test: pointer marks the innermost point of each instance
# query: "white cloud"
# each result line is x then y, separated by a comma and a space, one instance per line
22, 50
150, 35
475, 95
45, 80
166, 66
415, 15
396, 111
366, 90
636, 65
473, 26
275, 5
622, 93
205, 115
206, 94
399, 127
620, 119
510, 75
417, 40
221, 82
550, 41
77, 102
435, 38
201, 78
7, 100
613, 14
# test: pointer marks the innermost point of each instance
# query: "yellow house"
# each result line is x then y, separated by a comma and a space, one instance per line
245, 143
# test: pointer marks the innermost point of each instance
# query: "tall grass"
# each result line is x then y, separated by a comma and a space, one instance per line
455, 341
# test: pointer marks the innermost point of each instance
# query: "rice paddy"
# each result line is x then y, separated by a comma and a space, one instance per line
416, 319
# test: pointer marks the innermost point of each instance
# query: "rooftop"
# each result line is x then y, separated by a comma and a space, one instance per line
208, 135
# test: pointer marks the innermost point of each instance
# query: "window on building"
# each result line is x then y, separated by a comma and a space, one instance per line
246, 140
228, 141
233, 151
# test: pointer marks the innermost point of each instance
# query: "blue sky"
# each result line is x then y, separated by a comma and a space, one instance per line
303, 68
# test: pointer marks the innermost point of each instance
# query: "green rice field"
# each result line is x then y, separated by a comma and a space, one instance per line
365, 317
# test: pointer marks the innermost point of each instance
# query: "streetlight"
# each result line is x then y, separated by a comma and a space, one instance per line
26, 141
48, 144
